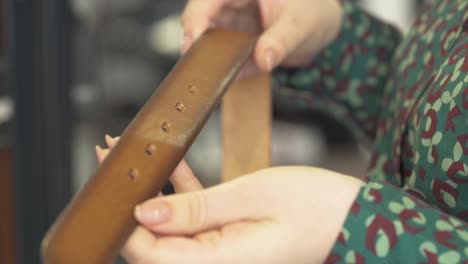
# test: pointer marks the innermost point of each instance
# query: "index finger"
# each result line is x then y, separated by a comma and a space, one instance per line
139, 245
184, 180
197, 18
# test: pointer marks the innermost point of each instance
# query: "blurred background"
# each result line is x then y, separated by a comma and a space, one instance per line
73, 71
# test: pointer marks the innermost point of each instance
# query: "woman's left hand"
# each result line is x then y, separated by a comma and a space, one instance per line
279, 215
182, 179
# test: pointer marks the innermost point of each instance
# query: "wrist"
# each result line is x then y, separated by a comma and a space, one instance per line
341, 195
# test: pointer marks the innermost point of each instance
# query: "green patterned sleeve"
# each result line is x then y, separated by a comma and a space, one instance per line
347, 79
388, 225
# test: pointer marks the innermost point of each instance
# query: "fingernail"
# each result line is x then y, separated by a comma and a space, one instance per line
270, 59
152, 214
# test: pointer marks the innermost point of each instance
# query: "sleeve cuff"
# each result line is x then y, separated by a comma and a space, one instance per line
386, 224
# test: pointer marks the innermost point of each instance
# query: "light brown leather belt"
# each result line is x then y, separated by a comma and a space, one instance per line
246, 117
95, 225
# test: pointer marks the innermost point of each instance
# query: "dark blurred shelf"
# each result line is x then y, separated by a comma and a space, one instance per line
38, 38
7, 220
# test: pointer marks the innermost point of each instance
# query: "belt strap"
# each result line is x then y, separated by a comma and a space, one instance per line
98, 221
246, 126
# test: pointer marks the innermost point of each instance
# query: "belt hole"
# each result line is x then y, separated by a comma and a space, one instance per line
166, 126
132, 174
192, 89
180, 107
150, 149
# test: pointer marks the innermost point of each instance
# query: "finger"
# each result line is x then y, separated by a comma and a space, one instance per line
184, 180
99, 155
193, 212
145, 247
105, 153
197, 18
278, 41
111, 141
236, 244
138, 246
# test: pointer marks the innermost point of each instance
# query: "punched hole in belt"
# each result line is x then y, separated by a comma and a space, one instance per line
180, 107
132, 174
166, 126
150, 149
192, 88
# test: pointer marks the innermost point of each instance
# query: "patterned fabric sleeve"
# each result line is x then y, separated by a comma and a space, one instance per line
334, 84
396, 227
427, 220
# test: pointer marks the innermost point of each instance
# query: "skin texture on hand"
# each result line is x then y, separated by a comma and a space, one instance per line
278, 215
291, 31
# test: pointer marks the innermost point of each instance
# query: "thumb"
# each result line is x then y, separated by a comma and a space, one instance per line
278, 41
193, 212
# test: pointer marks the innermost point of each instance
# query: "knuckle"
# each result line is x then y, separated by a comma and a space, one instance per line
284, 40
196, 208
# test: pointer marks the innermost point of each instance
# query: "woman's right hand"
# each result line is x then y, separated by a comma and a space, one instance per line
291, 31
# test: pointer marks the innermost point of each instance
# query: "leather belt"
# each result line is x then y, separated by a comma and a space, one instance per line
246, 119
99, 219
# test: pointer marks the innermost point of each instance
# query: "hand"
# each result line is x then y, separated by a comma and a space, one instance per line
278, 215
182, 179
292, 31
